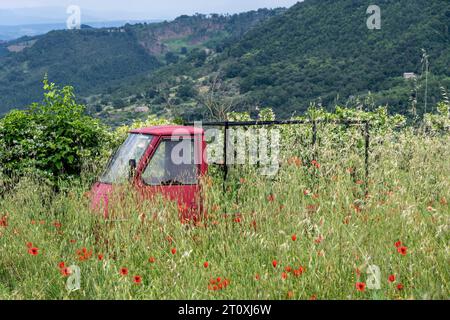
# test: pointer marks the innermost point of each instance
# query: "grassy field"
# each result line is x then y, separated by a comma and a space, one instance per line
309, 233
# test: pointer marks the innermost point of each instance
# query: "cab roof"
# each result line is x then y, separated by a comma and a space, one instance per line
169, 130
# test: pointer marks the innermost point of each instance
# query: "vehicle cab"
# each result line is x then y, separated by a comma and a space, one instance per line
166, 160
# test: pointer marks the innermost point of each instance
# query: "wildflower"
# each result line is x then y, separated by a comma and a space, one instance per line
152, 260
100, 257
65, 272
29, 245
205, 264
174, 250
360, 286
306, 192
123, 271
402, 250
257, 277
270, 198
33, 251
391, 278
313, 297
61, 265
137, 279
237, 220
284, 276
319, 239
218, 284
398, 244
57, 224
290, 294
400, 286
84, 254
315, 164
274, 263
4, 221
294, 237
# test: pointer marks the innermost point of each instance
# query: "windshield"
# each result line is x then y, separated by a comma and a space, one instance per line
118, 167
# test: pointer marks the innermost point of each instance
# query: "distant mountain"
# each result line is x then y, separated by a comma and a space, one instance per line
11, 32
321, 51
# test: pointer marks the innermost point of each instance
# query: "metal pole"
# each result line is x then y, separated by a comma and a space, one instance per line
314, 139
366, 154
225, 156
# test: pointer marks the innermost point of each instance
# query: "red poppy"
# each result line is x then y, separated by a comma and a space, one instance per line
257, 277
290, 294
137, 279
402, 250
400, 286
301, 270
294, 237
306, 192
284, 276
100, 257
174, 250
61, 265
274, 263
29, 245
123, 271
360, 286
57, 224
65, 272
33, 251
205, 264
315, 164
4, 221
152, 260
313, 297
84, 254
391, 278
398, 244
237, 220
270, 198
72, 240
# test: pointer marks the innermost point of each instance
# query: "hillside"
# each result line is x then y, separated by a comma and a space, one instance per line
322, 52
314, 52
96, 61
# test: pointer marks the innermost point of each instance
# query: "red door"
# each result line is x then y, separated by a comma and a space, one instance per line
173, 167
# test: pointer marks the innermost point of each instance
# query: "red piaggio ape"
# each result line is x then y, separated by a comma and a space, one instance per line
166, 160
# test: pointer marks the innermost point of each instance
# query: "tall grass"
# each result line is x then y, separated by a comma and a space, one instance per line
338, 230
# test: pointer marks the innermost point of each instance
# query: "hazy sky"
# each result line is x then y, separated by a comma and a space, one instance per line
151, 9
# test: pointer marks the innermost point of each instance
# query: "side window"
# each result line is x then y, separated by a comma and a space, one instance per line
172, 164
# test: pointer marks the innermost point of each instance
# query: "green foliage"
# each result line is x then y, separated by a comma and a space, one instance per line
53, 139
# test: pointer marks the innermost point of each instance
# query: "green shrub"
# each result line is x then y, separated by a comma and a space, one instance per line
53, 139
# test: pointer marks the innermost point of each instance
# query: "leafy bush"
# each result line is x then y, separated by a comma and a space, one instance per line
53, 139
